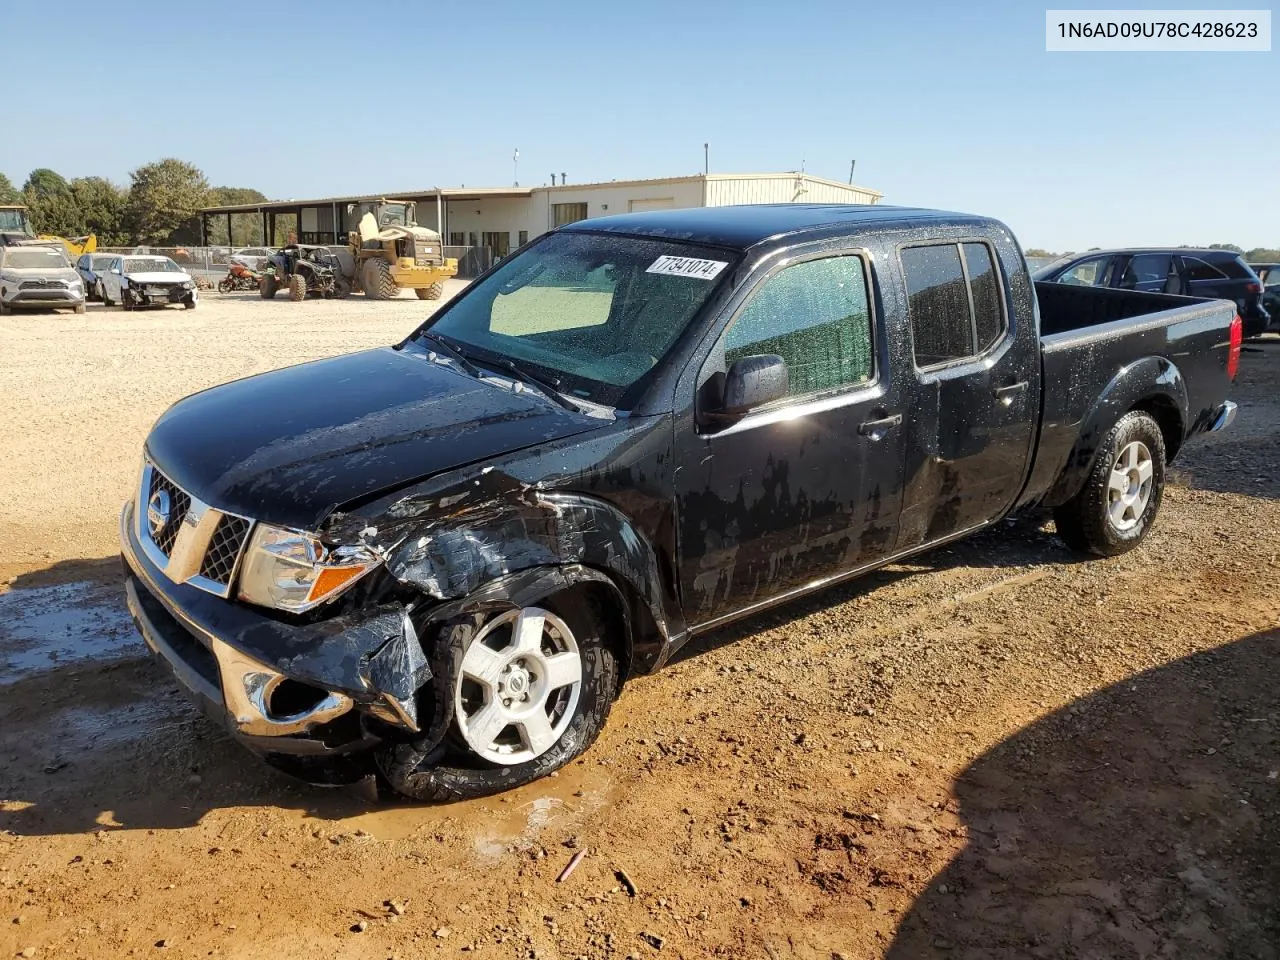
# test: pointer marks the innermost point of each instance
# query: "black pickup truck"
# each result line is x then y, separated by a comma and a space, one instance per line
439, 560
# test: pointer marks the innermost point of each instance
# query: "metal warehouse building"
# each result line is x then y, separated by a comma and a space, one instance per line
492, 221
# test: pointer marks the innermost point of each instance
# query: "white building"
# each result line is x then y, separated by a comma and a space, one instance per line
496, 220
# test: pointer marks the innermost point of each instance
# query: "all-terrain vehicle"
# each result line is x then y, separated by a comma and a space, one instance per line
303, 270
390, 252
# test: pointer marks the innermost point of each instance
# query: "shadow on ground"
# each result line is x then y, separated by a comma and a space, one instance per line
1144, 821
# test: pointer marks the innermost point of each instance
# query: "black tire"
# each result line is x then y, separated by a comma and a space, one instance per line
267, 286
441, 768
126, 302
189, 303
297, 288
5, 309
80, 308
225, 285
1085, 522
378, 282
433, 292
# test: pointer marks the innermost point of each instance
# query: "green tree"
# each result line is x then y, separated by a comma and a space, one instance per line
8, 192
1037, 252
101, 205
1225, 246
1263, 255
163, 199
53, 208
246, 228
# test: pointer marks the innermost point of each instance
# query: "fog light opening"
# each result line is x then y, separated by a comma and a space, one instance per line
290, 698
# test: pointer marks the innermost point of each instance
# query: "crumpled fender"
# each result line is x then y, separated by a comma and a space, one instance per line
1151, 380
463, 543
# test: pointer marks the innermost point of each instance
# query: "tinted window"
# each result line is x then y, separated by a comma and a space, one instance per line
1145, 268
985, 284
1087, 273
938, 303
815, 316
1236, 269
1198, 269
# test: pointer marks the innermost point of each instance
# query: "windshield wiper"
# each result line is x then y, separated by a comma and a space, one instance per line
546, 385
452, 352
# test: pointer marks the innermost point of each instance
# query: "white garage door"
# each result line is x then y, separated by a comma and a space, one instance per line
656, 203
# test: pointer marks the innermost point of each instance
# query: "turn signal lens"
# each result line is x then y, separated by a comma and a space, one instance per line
1233, 348
333, 579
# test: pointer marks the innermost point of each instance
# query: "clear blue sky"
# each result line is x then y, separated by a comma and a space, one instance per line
942, 104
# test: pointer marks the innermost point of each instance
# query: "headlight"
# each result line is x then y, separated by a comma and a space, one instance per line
188, 285
295, 571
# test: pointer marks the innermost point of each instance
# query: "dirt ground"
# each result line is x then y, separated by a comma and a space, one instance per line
994, 751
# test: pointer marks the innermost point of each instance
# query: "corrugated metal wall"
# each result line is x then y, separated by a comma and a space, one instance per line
787, 189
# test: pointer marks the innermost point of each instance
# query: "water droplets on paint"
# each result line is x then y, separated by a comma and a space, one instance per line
44, 628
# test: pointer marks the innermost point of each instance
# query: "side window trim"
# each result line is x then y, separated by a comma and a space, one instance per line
831, 396
1002, 288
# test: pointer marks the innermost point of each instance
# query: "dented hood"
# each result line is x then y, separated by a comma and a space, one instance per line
289, 446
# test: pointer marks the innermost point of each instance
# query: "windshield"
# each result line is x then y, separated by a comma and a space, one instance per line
392, 215
594, 312
100, 262
36, 258
151, 265
16, 220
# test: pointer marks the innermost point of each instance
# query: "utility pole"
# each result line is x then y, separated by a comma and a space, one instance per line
515, 167
852, 164
706, 158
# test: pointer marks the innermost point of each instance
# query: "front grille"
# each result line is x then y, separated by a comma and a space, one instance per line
160, 291
41, 285
224, 549
179, 504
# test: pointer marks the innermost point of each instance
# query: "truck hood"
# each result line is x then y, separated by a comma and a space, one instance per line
290, 446
158, 276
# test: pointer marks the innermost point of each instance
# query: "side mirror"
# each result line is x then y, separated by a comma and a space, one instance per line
754, 381
116, 271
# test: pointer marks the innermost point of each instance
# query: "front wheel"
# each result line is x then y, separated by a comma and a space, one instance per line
297, 288
433, 292
523, 692
1116, 508
267, 286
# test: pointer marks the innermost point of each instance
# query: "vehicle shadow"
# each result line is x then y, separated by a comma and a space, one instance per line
1142, 821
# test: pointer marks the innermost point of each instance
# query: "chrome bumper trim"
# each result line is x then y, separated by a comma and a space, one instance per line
1226, 416
246, 684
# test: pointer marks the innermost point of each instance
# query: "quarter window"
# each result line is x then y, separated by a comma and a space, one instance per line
815, 315
1198, 269
953, 299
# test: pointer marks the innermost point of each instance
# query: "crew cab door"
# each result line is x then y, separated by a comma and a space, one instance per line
976, 391
807, 486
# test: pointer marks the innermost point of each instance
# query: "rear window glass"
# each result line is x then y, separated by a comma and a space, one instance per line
1236, 269
952, 319
1198, 269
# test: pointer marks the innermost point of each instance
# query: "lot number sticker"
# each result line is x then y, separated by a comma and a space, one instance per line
688, 267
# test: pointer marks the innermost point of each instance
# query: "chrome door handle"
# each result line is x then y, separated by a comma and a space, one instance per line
1006, 394
876, 429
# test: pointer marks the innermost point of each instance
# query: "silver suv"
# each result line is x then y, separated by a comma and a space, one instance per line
38, 275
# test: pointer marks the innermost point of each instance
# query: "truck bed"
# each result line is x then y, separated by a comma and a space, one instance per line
1095, 340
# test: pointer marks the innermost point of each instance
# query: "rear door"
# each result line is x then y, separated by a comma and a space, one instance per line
809, 486
977, 372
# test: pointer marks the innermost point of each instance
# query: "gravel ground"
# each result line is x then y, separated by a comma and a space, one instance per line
996, 750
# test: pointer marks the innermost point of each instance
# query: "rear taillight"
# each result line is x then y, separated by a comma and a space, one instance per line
1233, 348
1252, 287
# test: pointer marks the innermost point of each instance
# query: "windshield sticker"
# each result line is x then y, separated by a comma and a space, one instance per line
687, 267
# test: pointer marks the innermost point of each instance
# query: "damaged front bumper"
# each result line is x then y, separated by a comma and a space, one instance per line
334, 687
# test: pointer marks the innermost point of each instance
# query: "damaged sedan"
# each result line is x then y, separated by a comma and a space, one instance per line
438, 561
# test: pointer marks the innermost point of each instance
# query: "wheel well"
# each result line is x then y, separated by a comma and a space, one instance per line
619, 622
1166, 415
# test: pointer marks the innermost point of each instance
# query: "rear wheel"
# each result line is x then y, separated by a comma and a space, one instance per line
297, 287
267, 286
433, 292
378, 282
1116, 508
522, 692
225, 285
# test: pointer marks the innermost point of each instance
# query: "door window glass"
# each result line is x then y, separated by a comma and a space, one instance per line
815, 315
952, 319
1145, 268
985, 284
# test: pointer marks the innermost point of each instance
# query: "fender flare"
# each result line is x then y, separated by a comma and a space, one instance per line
1153, 384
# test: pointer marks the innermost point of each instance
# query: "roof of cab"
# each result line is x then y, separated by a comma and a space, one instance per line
744, 226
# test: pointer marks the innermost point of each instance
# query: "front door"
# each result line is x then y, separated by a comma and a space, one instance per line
978, 390
808, 486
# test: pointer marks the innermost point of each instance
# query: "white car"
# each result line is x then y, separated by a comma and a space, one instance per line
255, 258
135, 280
